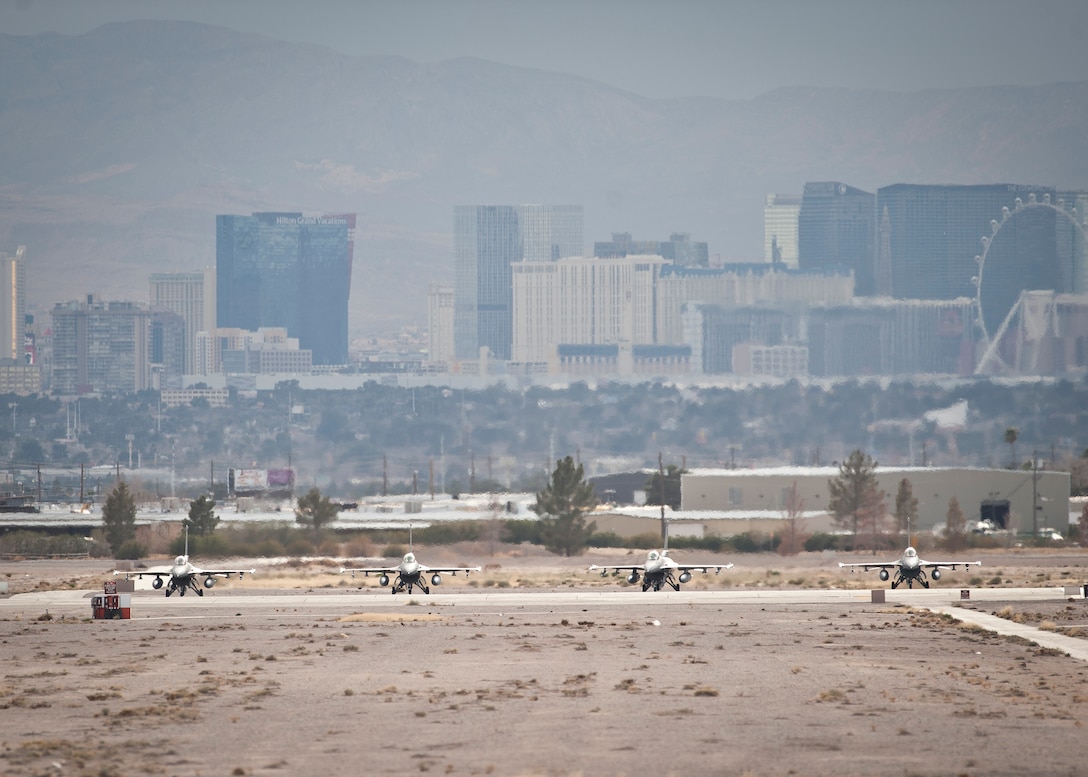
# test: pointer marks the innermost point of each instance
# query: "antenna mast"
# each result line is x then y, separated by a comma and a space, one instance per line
664, 520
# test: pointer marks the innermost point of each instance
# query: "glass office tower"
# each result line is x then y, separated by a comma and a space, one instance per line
836, 228
487, 239
936, 233
287, 270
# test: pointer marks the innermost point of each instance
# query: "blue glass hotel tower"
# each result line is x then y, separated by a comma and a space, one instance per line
287, 270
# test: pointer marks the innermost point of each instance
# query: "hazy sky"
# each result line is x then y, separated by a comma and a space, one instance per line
657, 48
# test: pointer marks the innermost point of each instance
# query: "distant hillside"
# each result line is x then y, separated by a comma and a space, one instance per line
118, 147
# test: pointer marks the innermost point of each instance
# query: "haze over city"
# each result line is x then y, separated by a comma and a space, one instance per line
774, 309
734, 49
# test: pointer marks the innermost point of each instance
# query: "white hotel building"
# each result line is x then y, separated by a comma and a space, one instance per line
582, 300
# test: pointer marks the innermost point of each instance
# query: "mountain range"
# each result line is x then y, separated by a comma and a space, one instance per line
118, 148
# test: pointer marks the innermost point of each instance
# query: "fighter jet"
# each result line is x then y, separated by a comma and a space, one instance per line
183, 575
659, 570
408, 573
909, 568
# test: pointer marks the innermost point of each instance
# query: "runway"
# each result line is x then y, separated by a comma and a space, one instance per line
70, 602
289, 602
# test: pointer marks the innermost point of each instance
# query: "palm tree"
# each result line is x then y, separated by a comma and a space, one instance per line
1010, 437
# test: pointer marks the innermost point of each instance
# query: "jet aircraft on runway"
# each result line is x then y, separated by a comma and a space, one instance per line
909, 568
183, 575
409, 573
659, 570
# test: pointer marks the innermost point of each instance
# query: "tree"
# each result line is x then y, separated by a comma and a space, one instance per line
906, 508
857, 503
315, 511
793, 524
202, 519
1011, 435
955, 526
1082, 526
562, 506
672, 487
119, 516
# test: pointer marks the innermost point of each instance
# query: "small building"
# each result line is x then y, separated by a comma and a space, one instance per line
1003, 497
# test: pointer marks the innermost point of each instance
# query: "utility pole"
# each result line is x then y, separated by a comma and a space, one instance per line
1034, 496
664, 520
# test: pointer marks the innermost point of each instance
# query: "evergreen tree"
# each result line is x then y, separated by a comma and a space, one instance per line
955, 526
562, 507
315, 511
119, 517
202, 519
857, 502
906, 508
672, 487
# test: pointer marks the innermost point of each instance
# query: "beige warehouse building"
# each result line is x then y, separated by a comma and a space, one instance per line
1005, 497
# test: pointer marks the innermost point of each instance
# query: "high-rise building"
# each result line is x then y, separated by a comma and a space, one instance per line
184, 294
550, 232
487, 240
13, 305
989, 241
743, 286
287, 270
836, 227
679, 249
780, 216
237, 351
166, 352
1073, 241
583, 301
115, 346
440, 323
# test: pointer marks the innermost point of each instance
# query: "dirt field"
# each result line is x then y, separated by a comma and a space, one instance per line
549, 689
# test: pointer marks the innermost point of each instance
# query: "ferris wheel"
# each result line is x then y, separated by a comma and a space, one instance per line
1033, 312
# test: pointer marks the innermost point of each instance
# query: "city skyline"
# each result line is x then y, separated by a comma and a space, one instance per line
400, 142
545, 305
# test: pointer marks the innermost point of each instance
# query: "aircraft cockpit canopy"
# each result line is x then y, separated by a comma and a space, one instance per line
409, 558
911, 553
180, 560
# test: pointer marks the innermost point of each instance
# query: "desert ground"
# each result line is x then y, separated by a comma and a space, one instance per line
254, 678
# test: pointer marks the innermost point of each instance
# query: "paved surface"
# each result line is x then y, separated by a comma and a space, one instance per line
760, 683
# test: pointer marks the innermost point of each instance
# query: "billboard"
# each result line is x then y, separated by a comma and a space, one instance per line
246, 482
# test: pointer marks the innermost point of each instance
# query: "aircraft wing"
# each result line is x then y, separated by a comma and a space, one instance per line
603, 569
225, 572
948, 564
703, 567
872, 565
140, 574
451, 570
368, 571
